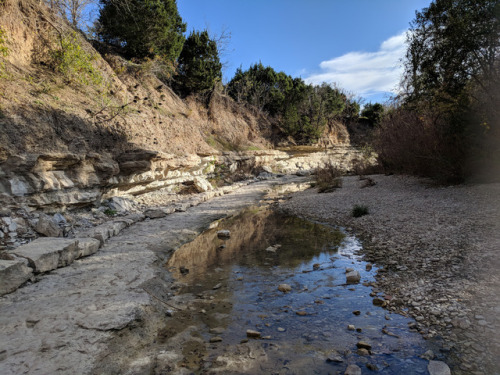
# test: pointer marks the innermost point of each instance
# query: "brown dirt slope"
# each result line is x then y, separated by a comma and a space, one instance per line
44, 110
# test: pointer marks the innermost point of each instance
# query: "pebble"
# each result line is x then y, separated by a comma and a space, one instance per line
285, 288
216, 339
364, 345
351, 327
356, 312
253, 334
352, 370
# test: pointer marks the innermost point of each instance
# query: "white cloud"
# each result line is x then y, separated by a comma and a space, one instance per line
365, 73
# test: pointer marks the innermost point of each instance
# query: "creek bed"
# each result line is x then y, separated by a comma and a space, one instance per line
231, 285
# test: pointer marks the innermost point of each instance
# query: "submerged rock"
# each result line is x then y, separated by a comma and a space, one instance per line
353, 277
285, 288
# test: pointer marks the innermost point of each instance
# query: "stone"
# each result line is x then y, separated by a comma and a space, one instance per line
155, 213
364, 345
121, 204
379, 302
369, 267
353, 277
215, 339
334, 356
218, 286
352, 370
351, 327
217, 330
47, 254
253, 334
356, 312
362, 352
224, 233
59, 219
48, 227
438, 368
202, 185
13, 274
285, 288
428, 355
87, 246
301, 313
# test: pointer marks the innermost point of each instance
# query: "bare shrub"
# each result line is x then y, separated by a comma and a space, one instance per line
328, 178
421, 144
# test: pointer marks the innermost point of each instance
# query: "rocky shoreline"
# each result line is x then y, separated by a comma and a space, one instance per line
435, 247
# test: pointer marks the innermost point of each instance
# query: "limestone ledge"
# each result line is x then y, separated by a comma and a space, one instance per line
55, 181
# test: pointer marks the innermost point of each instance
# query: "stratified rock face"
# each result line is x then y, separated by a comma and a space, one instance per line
13, 273
60, 180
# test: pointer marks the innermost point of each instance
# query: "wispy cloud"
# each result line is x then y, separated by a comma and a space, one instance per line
365, 73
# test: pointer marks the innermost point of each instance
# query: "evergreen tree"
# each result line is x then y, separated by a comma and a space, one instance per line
199, 65
142, 28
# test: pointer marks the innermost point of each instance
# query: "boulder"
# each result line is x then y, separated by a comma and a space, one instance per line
48, 227
13, 273
47, 254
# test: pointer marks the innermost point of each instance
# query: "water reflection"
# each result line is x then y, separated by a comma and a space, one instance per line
236, 283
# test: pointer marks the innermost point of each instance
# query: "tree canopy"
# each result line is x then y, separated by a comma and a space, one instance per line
303, 110
142, 28
199, 65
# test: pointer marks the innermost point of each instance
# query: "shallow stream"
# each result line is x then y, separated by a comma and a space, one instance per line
232, 285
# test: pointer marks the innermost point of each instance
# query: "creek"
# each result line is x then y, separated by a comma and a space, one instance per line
316, 327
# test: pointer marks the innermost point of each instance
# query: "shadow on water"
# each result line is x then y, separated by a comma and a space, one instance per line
234, 283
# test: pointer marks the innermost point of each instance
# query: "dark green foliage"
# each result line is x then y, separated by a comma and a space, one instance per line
451, 43
373, 113
199, 64
142, 28
303, 110
359, 210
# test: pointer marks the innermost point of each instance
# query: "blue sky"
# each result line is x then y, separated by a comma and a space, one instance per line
355, 44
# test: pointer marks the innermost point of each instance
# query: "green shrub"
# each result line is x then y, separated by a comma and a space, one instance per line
328, 178
359, 210
75, 63
4, 50
110, 212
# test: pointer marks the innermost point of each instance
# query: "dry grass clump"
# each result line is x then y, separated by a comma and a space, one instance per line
328, 178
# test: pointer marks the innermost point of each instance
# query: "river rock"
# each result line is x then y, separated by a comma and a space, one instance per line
352, 370
285, 288
48, 227
353, 277
253, 334
334, 356
216, 339
438, 368
364, 345
13, 273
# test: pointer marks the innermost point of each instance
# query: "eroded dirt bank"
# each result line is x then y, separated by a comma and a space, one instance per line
438, 252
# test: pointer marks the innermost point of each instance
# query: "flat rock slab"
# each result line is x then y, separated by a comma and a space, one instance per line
13, 273
87, 246
47, 254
